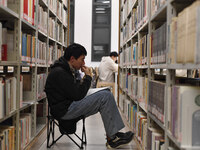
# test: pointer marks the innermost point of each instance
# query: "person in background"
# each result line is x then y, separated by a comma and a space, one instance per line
67, 98
108, 67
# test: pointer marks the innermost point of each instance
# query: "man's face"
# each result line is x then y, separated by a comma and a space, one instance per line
78, 63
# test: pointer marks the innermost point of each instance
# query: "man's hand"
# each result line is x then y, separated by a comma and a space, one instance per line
86, 70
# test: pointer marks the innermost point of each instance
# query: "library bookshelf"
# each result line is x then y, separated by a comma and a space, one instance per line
32, 35
159, 51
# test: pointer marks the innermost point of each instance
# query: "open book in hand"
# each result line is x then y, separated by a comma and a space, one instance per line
94, 90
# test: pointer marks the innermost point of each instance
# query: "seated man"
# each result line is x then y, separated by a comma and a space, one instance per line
108, 67
67, 96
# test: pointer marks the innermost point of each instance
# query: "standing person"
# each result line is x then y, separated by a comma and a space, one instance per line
67, 97
108, 67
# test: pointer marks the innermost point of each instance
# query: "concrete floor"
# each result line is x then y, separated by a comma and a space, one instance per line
95, 133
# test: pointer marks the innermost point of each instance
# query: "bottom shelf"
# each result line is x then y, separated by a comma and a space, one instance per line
137, 143
39, 128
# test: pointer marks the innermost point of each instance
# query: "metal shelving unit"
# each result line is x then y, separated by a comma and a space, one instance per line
13, 20
167, 71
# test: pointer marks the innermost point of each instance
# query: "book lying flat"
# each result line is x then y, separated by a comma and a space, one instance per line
94, 90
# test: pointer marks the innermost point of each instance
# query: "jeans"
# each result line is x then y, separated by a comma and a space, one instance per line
102, 101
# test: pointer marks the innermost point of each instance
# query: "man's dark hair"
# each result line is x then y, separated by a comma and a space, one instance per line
75, 50
115, 54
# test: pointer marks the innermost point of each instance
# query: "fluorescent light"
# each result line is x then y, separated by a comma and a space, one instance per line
106, 2
100, 12
100, 8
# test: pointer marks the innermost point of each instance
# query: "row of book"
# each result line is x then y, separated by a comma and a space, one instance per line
41, 80
59, 33
59, 10
27, 7
27, 86
29, 52
41, 53
156, 140
28, 48
52, 4
129, 55
184, 36
7, 137
51, 55
28, 10
25, 129
136, 87
141, 129
139, 49
142, 50
8, 89
156, 5
183, 107
158, 48
139, 17
52, 28
136, 120
6, 44
156, 99
42, 19
184, 110
149, 138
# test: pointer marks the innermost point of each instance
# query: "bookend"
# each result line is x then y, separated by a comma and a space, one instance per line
66, 127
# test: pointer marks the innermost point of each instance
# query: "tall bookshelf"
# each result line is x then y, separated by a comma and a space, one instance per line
159, 52
32, 35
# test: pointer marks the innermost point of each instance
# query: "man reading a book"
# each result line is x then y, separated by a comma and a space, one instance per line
67, 96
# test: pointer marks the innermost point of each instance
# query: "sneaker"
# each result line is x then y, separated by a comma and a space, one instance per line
120, 140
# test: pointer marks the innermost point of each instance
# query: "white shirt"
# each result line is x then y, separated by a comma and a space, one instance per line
107, 68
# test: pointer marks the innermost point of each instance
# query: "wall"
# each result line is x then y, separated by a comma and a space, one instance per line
83, 27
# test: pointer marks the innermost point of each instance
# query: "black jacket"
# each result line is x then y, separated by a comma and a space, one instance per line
62, 88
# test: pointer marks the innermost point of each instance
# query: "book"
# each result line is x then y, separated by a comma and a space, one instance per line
94, 90
0, 39
185, 115
2, 114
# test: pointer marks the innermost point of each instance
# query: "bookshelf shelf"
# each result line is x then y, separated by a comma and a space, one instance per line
42, 35
143, 67
184, 66
59, 43
144, 27
7, 13
9, 63
52, 39
160, 14
178, 144
27, 26
52, 13
9, 116
159, 66
173, 139
156, 120
59, 21
142, 106
39, 128
43, 4
24, 106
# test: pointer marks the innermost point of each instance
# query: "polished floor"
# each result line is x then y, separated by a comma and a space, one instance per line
95, 138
